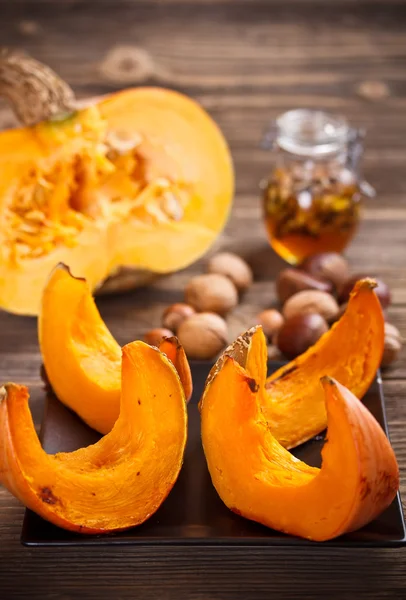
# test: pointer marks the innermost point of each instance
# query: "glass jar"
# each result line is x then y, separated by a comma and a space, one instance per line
313, 196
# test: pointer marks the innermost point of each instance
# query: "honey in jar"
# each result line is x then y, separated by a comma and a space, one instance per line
312, 199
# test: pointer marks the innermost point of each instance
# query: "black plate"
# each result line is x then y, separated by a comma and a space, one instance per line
193, 514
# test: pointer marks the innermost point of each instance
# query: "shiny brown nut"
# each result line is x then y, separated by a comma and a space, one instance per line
381, 290
393, 345
232, 266
154, 337
291, 281
328, 265
341, 310
211, 293
175, 314
300, 332
271, 321
203, 335
311, 301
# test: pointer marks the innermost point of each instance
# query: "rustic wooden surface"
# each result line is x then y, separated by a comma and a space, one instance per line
245, 62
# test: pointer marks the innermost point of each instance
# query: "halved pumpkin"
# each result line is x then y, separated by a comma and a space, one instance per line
351, 352
79, 352
120, 481
141, 179
259, 479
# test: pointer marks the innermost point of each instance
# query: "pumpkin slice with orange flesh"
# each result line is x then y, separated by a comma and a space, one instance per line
351, 352
140, 180
120, 481
260, 480
79, 352
177, 355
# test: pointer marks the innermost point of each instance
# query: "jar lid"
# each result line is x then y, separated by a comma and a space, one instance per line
312, 132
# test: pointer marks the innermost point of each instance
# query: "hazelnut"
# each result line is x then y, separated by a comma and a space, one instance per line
291, 281
311, 301
211, 293
300, 332
328, 265
203, 335
175, 314
271, 321
154, 337
393, 345
232, 266
381, 290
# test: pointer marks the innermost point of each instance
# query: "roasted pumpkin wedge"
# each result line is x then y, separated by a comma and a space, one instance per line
259, 479
350, 351
79, 352
120, 481
176, 354
136, 183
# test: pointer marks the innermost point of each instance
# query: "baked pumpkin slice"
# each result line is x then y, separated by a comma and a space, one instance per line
134, 184
351, 352
80, 353
257, 478
120, 481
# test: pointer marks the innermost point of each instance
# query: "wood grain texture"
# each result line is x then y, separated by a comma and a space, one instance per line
245, 61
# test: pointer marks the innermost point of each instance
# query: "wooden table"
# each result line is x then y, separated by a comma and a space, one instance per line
245, 62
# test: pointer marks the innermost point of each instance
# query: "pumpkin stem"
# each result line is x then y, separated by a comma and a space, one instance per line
35, 92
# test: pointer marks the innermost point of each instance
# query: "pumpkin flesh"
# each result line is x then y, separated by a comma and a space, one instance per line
120, 481
350, 352
141, 179
259, 479
79, 352
176, 354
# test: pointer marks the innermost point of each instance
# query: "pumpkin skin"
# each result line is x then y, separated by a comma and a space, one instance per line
260, 480
79, 352
351, 352
154, 208
120, 481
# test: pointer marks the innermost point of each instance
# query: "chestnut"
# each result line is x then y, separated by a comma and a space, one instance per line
328, 265
154, 337
381, 290
291, 281
341, 310
175, 314
300, 332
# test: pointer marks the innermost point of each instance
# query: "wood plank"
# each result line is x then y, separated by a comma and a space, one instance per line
199, 574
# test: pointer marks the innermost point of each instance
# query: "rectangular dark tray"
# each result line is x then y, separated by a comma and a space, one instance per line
193, 513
